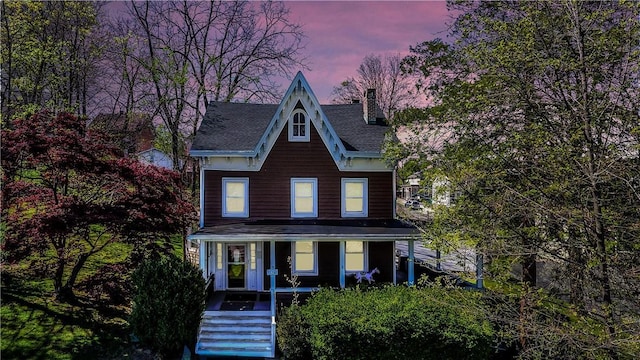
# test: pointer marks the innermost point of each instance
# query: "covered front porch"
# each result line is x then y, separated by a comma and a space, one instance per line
250, 266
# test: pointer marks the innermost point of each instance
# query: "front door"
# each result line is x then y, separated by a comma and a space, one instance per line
236, 266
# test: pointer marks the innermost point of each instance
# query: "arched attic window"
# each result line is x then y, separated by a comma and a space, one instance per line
299, 126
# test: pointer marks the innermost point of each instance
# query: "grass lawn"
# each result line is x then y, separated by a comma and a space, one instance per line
35, 326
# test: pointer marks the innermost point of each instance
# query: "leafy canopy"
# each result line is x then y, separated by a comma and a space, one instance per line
69, 194
533, 120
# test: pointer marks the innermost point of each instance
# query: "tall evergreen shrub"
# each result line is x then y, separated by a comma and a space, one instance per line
168, 304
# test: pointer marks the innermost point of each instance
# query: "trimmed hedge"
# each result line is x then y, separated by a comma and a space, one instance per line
392, 322
168, 304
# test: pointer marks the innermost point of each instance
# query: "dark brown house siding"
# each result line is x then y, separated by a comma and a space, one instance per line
270, 188
328, 265
380, 255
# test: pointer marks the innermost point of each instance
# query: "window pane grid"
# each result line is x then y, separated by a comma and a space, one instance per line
304, 201
304, 257
219, 256
298, 127
354, 256
252, 250
354, 197
235, 197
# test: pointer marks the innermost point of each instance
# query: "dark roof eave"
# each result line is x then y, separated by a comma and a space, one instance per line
244, 153
302, 237
226, 153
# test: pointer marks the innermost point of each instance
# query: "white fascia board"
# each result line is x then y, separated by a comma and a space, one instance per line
230, 163
364, 154
364, 165
299, 90
222, 153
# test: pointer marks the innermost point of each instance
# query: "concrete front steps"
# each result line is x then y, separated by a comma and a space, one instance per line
236, 333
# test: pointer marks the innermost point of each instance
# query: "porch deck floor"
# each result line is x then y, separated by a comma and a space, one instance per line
238, 301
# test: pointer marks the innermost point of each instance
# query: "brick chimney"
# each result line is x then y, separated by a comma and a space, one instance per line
370, 107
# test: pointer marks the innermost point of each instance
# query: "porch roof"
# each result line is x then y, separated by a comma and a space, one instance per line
264, 230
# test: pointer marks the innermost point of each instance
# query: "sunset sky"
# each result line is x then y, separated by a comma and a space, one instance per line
341, 33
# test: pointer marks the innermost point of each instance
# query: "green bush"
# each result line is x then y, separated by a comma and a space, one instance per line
168, 304
387, 323
293, 333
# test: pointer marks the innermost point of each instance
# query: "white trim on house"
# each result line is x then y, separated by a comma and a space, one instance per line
345, 197
201, 195
298, 91
296, 195
314, 257
365, 257
226, 211
237, 162
299, 123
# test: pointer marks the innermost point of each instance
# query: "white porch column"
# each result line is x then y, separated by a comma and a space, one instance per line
201, 192
342, 260
410, 264
272, 277
203, 261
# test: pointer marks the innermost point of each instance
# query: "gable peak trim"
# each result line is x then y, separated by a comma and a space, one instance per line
300, 93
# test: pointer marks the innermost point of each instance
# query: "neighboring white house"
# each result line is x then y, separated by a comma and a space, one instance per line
441, 192
156, 157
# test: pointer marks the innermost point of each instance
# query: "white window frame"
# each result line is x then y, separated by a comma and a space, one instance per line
365, 257
245, 182
307, 121
314, 212
314, 271
365, 197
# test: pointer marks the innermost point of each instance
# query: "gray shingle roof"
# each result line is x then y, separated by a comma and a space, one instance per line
356, 135
239, 127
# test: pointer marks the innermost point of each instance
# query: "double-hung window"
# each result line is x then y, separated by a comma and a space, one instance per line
235, 197
305, 260
354, 197
304, 197
354, 257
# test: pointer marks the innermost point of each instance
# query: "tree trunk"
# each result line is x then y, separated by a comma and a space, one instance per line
66, 292
576, 271
57, 277
529, 270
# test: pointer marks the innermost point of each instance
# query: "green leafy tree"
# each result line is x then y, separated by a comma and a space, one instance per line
534, 123
168, 303
49, 54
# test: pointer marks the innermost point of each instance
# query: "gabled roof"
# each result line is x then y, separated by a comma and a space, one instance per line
239, 126
348, 122
233, 126
250, 130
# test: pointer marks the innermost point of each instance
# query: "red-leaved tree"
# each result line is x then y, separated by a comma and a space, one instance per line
68, 194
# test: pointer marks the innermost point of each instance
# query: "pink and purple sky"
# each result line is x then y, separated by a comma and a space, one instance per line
341, 33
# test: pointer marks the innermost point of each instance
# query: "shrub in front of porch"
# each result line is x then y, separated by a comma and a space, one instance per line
391, 322
168, 304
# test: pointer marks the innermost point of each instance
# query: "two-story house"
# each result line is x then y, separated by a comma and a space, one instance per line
290, 188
